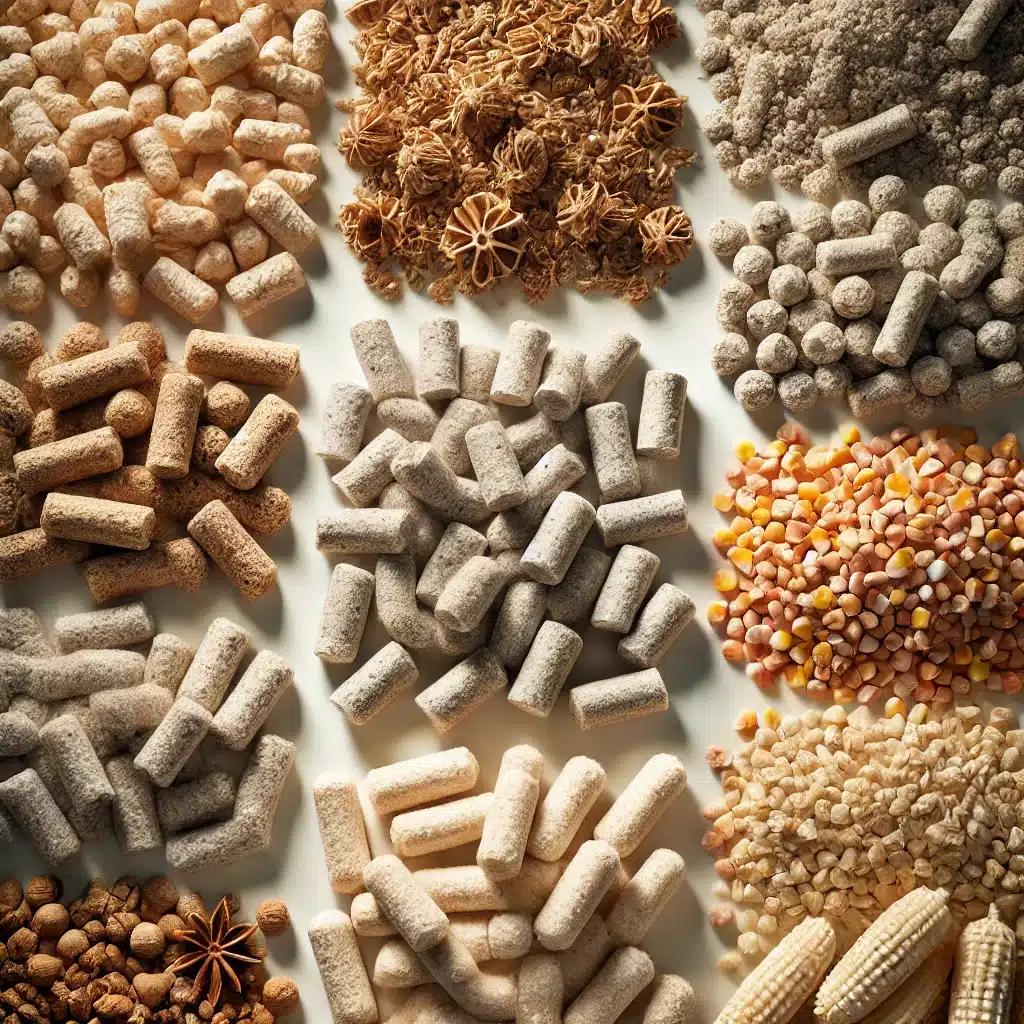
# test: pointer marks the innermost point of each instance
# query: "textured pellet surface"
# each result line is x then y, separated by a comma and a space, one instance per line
374, 685
618, 475
120, 626
458, 544
218, 656
420, 780
461, 690
566, 804
337, 956
342, 831
344, 614
544, 671
658, 626
661, 415
560, 535
627, 972
625, 588
619, 699
517, 623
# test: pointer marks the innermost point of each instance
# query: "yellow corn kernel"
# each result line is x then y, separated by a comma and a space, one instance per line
796, 676
1006, 447
920, 618
744, 450
761, 516
745, 502
808, 491
995, 540
902, 558
897, 484
740, 524
802, 627
864, 476
722, 501
963, 656
742, 558
962, 500
771, 718
978, 671
894, 706
718, 612
775, 532
823, 598
822, 653
843, 695
723, 538
1016, 545
781, 640
778, 448
849, 434
746, 721
897, 597
975, 453
725, 580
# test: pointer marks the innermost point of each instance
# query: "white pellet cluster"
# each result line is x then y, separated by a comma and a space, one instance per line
150, 748
869, 304
562, 934
480, 524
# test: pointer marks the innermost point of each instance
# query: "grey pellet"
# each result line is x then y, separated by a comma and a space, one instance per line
973, 393
29, 803
188, 805
495, 466
174, 740
558, 538
413, 419
450, 436
905, 319
344, 614
372, 687
136, 824
618, 475
421, 470
886, 390
520, 364
605, 367
477, 364
640, 519
21, 631
68, 746
839, 257
168, 661
362, 531
439, 359
619, 699
461, 690
219, 654
573, 599
868, 138
561, 383
397, 609
8, 828
545, 670
459, 543
122, 713
347, 409
423, 531
658, 626
518, 620
975, 28
531, 438
661, 415
362, 480
250, 703
469, 594
19, 734
387, 375
625, 588
61, 676
104, 629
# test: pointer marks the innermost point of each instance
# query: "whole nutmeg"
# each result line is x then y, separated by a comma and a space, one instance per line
72, 944
112, 1006
151, 988
280, 996
260, 1014
190, 903
22, 944
120, 926
169, 924
11, 895
43, 970
51, 921
43, 889
159, 896
147, 940
273, 918
95, 931
17, 918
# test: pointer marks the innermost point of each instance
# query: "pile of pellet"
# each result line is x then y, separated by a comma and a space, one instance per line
563, 931
162, 146
144, 747
412, 503
863, 565
864, 303
109, 450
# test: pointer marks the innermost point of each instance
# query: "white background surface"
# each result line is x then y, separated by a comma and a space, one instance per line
676, 328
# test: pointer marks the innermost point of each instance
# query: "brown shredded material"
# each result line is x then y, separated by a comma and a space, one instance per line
514, 139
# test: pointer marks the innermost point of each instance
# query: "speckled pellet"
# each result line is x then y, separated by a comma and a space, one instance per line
627, 972
97, 521
439, 359
397, 966
216, 660
21, 631
413, 419
558, 538
340, 963
907, 314
618, 475
29, 803
63, 676
469, 593
458, 544
168, 661
604, 368
506, 827
342, 831
387, 375
71, 383
586, 880
672, 1001
545, 670
573, 599
208, 799
421, 780
428, 1004
266, 283
659, 625
174, 425
346, 411
423, 532
62, 462
518, 620
495, 466
136, 824
216, 530
449, 438
344, 614
462, 689
174, 741
477, 364
640, 519
509, 935
421, 470
120, 626
373, 686
120, 714
250, 703
441, 827
486, 997
241, 358
564, 807
840, 257
583, 959
973, 393
520, 364
661, 415
362, 531
886, 390
628, 821
539, 995
619, 699
362, 480
870, 137
397, 609
625, 588
66, 743
975, 28
262, 437
178, 563
644, 897
19, 734
405, 903
561, 384
531, 438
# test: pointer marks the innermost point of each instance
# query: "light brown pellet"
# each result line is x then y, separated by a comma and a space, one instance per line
604, 368
413, 419
421, 780
404, 902
520, 364
172, 744
659, 625
626, 974
477, 364
262, 437
174, 425
547, 666
489, 997
661, 415
441, 827
532, 438
83, 241
583, 959
342, 831
225, 405
219, 654
450, 436
563, 809
586, 880
619, 699
439, 360
561, 385
238, 556
387, 374
421, 470
266, 283
240, 358
99, 373
281, 217
63, 462
625, 588
539, 994
224, 54
618, 475
506, 827
462, 689
495, 465
185, 293
168, 661
97, 521
337, 956
672, 1001
644, 897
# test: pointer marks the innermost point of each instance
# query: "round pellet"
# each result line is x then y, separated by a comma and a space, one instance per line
561, 383
640, 519
659, 625
97, 521
362, 480
344, 614
421, 780
387, 375
340, 963
457, 546
362, 531
586, 880
347, 409
563, 809
518, 620
252, 700
174, 425
461, 690
573, 599
262, 437
495, 466
618, 475
520, 364
174, 741
405, 903
558, 538
619, 699
442, 827
506, 828
661, 415
644, 897
625, 588
342, 832
370, 689
439, 359
539, 996
469, 594
627, 972
604, 368
547, 666
477, 364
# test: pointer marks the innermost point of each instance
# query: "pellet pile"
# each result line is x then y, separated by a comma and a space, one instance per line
861, 303
110, 450
412, 504
115, 741
583, 914
162, 146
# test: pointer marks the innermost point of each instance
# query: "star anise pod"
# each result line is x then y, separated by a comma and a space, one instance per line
218, 947
652, 108
667, 235
368, 136
482, 236
372, 226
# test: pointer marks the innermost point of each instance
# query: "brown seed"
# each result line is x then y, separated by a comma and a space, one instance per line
273, 918
50, 921
42, 970
280, 996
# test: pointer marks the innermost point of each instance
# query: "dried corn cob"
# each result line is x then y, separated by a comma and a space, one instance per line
921, 997
775, 989
892, 948
986, 960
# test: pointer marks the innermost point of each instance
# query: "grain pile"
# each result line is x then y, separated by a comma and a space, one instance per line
506, 139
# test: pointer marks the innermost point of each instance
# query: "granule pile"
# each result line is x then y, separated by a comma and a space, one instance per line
860, 565
824, 66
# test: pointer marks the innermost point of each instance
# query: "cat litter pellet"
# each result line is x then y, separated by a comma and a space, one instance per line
344, 614
136, 823
461, 690
417, 918
506, 826
29, 803
439, 359
218, 656
342, 831
174, 740
252, 700
561, 812
625, 588
404, 784
373, 686
544, 671
619, 699
346, 411
121, 626
188, 805
519, 618
442, 827
458, 544
644, 897
660, 623
337, 956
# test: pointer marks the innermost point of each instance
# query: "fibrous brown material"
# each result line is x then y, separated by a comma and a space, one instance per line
526, 140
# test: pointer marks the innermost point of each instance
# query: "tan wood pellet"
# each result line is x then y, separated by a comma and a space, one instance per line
116, 524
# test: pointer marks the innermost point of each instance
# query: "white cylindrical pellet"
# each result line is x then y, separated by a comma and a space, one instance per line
583, 959
561, 383
906, 316
67, 745
340, 963
405, 903
450, 436
342, 832
563, 809
462, 689
619, 699
136, 824
441, 827
539, 996
509, 935
659, 625
413, 419
487, 997
661, 415
397, 965
506, 828
208, 799
168, 661
495, 466
421, 470
520, 364
219, 654
661, 780
571, 600
362, 480
457, 546
439, 359
362, 531
604, 368
518, 621
545, 670
477, 364
975, 28
174, 740
344, 614
618, 475
347, 409
560, 535
869, 138
469, 594
626, 974
120, 626
586, 880
672, 1001
644, 897
422, 780
250, 703
640, 519
30, 804
625, 588
387, 375
376, 684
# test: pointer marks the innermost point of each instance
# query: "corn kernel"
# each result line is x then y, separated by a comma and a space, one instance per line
742, 558
894, 706
718, 612
771, 718
775, 532
975, 453
722, 502
744, 450
962, 500
745, 501
778, 448
746, 721
920, 618
843, 695
781, 640
822, 653
802, 627
725, 580
808, 491
963, 656
823, 598
978, 671
849, 434
723, 538
897, 597
995, 540
761, 516
1006, 447
897, 484
864, 476
796, 677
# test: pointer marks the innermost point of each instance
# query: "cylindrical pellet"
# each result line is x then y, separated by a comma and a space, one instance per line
618, 475
439, 359
71, 383
362, 480
539, 996
241, 358
495, 466
518, 620
340, 963
208, 799
626, 974
672, 1001
509, 935
449, 438
840, 257
604, 368
487, 997
441, 827
31, 551
249, 704
179, 563
561, 383
506, 828
210, 673
66, 744
397, 966
61, 677
344, 614
563, 809
387, 375
405, 903
532, 438
469, 593
428, 1004
906, 316
95, 520
105, 629
421, 470
640, 519
174, 741
262, 437
413, 419
342, 831
619, 699
136, 824
462, 689
661, 415
975, 27
545, 670
659, 625
232, 548
174, 425
62, 462
583, 959
560, 535
362, 531
120, 714
266, 283
347, 409
399, 613
274, 210
421, 780
520, 364
625, 588
376, 684
571, 600
644, 897
628, 821
868, 138
30, 804
477, 364
423, 531
458, 544
168, 661
587, 877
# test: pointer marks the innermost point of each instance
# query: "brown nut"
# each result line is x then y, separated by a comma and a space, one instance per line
159, 896
43, 889
273, 918
51, 921
280, 996
72, 944
44, 970
147, 940
22, 944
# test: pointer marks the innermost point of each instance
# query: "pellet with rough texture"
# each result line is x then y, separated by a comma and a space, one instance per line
207, 799
387, 374
506, 827
638, 808
423, 531
518, 620
342, 831
572, 600
618, 475
469, 593
439, 359
421, 780
625, 588
413, 419
661, 415
19, 734
362, 480
241, 358
449, 438
90, 376
539, 994
905, 319
97, 521
374, 685
233, 549
174, 741
250, 703
487, 997
561, 384
558, 538
346, 411
660, 623
869, 137
29, 803
672, 1001
343, 618
639, 519
627, 972
338, 959
605, 368
397, 609
564, 807
174, 425
458, 544
421, 470
178, 563
31, 551
495, 466
477, 364
520, 364
584, 883
362, 531
136, 824
68, 746
407, 906
583, 959
120, 626
62, 462
618, 699
168, 661
644, 897
531, 438
260, 440
216, 660
462, 689
60, 677
441, 827
547, 666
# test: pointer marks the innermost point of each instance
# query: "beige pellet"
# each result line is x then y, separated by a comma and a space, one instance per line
583, 959
405, 903
625, 588
639, 519
124, 290
506, 827
340, 963
509, 935
439, 360
520, 364
249, 243
421, 470
644, 897
672, 1001
571, 600
619, 699
178, 563
441, 827
62, 462
370, 689
168, 661
539, 995
71, 383
618, 474
363, 531
311, 40
345, 414
661, 415
561, 384
477, 364
586, 880
413, 419
396, 966
344, 614
242, 359
558, 538
604, 368
469, 593
174, 425
428, 1003
387, 374
518, 620
547, 666
659, 625
423, 531
240, 558
342, 832
462, 689
487, 997
563, 809
224, 54
421, 780
626, 974
83, 241
450, 436
281, 217
362, 480
174, 740
458, 544
495, 465
267, 140
628, 821
174, 286
96, 521
262, 437
31, 551
154, 156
